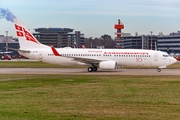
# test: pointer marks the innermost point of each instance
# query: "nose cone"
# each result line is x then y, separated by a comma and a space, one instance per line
173, 60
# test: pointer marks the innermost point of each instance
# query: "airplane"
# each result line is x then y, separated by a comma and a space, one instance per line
107, 59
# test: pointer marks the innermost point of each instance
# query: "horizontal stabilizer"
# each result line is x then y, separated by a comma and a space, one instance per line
19, 50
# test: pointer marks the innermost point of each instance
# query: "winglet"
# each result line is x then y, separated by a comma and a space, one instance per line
54, 51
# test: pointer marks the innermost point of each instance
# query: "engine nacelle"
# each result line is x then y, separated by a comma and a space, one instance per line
80, 63
108, 65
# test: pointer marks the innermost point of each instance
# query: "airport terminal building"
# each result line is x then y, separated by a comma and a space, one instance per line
136, 42
59, 37
168, 43
9, 42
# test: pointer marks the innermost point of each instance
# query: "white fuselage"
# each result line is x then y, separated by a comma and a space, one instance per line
123, 57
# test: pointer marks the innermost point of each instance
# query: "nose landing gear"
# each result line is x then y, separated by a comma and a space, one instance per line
158, 70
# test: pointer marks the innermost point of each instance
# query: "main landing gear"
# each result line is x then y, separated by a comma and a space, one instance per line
92, 68
159, 70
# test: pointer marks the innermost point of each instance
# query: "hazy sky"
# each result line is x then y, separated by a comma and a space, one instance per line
95, 17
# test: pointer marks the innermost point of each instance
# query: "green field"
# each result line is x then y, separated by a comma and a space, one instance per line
56, 97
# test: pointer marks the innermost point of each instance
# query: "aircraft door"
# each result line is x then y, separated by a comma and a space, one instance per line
155, 56
40, 55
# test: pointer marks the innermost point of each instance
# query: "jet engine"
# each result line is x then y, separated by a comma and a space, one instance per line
107, 65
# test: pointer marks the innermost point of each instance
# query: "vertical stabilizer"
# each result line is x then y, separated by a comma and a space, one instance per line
26, 39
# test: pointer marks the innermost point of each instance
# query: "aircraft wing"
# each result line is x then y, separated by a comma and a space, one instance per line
86, 60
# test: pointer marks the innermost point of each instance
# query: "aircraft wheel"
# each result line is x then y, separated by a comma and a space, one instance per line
94, 68
159, 70
90, 69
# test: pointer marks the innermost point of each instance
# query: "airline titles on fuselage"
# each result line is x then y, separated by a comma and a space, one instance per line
132, 53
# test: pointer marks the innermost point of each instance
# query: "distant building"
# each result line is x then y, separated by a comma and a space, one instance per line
59, 37
79, 38
11, 43
136, 42
126, 34
106, 41
175, 33
169, 43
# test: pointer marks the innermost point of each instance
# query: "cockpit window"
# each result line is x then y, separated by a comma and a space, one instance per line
165, 55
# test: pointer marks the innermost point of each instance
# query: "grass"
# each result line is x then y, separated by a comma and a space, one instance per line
54, 97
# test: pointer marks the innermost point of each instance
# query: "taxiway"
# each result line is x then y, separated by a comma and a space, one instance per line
83, 71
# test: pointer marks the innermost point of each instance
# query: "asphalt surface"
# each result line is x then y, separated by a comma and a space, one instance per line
83, 71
